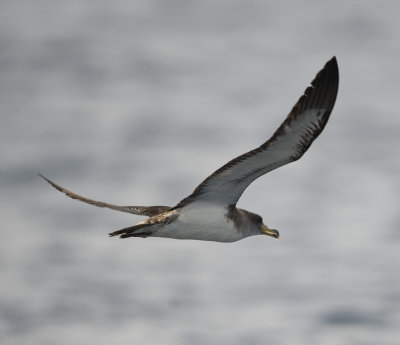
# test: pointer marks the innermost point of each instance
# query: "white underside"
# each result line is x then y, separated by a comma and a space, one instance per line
201, 221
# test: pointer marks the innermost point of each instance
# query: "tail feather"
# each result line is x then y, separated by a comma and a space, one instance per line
138, 230
143, 234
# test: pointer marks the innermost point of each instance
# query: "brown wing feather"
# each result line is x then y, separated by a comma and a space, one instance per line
140, 210
302, 126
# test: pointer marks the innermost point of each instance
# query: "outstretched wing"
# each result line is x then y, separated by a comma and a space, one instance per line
302, 126
140, 210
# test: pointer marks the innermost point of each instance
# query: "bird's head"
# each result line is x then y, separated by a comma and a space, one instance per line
250, 223
257, 222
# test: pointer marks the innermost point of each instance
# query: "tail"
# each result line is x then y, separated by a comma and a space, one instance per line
138, 230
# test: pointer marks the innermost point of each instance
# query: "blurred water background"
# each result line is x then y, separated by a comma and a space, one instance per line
135, 102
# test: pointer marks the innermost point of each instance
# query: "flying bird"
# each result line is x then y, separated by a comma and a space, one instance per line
210, 212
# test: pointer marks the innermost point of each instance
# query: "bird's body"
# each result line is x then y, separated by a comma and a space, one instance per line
210, 212
203, 222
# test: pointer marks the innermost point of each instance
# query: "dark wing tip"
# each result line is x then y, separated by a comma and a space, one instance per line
321, 95
322, 92
56, 186
333, 60
325, 86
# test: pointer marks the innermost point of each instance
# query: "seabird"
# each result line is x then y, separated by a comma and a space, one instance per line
210, 212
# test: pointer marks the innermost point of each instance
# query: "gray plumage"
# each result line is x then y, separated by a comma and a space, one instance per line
210, 212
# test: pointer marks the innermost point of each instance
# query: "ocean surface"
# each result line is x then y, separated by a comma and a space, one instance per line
136, 102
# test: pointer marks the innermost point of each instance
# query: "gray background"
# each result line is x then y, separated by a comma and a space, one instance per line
135, 102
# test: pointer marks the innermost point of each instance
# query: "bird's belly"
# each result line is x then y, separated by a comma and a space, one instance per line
207, 224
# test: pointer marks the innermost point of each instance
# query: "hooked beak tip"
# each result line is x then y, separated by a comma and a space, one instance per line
270, 232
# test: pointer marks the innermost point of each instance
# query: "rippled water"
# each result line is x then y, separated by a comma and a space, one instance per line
137, 102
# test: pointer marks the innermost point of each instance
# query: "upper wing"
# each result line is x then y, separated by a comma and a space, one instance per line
304, 123
140, 210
